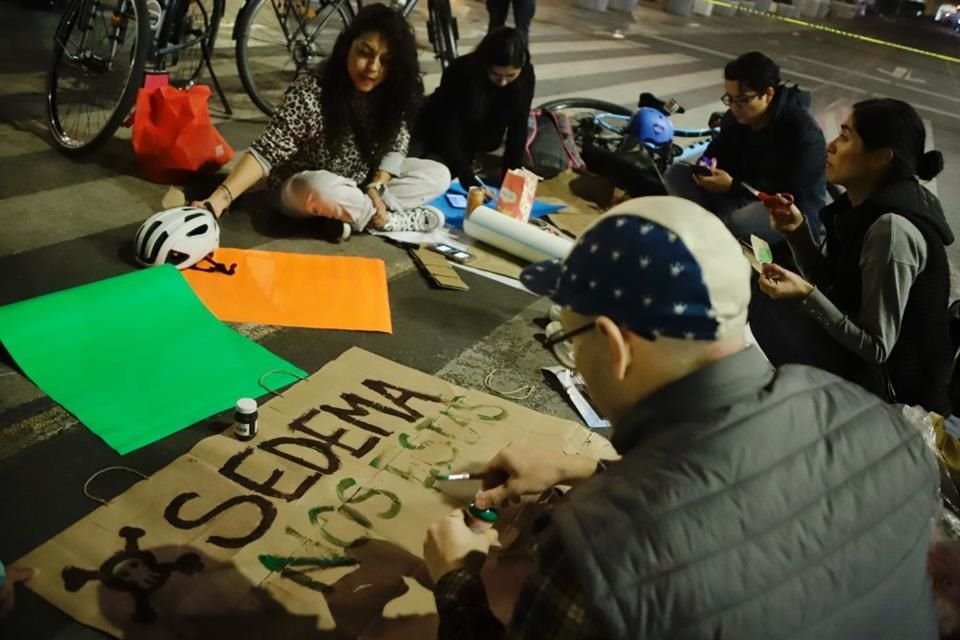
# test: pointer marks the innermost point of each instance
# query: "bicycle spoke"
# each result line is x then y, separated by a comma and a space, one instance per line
93, 54
184, 54
281, 39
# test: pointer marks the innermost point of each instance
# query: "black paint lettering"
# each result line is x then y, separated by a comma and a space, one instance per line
357, 410
399, 396
336, 438
230, 470
268, 513
402, 396
332, 461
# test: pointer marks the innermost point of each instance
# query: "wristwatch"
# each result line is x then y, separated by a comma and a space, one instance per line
379, 187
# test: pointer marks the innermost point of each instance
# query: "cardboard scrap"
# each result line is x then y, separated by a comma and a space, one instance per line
487, 258
440, 272
313, 529
573, 224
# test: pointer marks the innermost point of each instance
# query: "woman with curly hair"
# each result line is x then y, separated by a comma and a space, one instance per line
336, 147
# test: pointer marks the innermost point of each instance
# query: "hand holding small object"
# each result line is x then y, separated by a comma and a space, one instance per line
783, 284
785, 217
519, 470
450, 541
717, 182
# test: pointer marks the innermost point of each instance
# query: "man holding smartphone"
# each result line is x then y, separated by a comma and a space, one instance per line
769, 140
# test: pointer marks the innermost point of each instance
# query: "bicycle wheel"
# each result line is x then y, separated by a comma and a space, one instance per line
100, 49
597, 121
442, 31
196, 27
278, 39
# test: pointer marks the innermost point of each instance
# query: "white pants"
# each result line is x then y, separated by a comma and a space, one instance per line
321, 193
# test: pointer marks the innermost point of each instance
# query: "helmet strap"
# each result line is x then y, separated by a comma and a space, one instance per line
216, 267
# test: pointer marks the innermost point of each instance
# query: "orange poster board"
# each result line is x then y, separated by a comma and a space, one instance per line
296, 290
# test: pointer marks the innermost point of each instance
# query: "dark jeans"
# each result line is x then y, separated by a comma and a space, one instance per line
787, 335
523, 11
743, 214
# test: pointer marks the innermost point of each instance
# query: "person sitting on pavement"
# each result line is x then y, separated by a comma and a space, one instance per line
484, 97
881, 289
768, 140
336, 147
749, 502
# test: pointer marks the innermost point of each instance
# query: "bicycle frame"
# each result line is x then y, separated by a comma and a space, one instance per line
689, 152
406, 9
176, 12
87, 13
282, 8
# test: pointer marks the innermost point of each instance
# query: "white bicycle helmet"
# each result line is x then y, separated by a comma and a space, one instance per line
182, 236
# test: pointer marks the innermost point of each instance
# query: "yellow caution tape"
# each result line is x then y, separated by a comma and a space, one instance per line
838, 32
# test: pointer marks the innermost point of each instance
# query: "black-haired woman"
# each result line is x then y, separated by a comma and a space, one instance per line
881, 288
484, 97
337, 146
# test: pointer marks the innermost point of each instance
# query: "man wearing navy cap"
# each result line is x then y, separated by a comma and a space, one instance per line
748, 502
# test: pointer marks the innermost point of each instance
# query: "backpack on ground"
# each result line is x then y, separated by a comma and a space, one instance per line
550, 145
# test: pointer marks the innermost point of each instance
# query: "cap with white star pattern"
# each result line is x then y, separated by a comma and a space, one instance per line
659, 266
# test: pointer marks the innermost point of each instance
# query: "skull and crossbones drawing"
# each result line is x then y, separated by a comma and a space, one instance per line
135, 571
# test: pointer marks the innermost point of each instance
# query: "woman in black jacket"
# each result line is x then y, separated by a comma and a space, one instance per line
880, 289
483, 97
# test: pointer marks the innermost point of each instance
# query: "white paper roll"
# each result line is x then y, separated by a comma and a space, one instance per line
516, 238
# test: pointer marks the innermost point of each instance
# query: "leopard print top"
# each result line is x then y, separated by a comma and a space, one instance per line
295, 139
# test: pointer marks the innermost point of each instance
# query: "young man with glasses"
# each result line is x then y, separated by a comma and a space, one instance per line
768, 140
748, 502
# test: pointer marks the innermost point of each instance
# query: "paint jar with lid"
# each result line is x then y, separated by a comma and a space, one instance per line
245, 419
480, 520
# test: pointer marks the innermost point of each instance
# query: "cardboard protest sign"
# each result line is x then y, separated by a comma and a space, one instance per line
315, 528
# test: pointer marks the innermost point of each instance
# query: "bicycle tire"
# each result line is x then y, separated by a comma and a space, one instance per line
585, 103
444, 34
191, 58
245, 64
65, 141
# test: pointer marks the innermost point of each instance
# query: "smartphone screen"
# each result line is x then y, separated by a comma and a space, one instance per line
457, 255
457, 200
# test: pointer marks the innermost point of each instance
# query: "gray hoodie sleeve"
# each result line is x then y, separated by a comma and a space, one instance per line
893, 255
813, 266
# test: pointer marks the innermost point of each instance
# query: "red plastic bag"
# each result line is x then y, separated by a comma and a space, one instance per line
173, 136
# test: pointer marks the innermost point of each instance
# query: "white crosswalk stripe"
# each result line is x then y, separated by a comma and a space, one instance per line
551, 71
626, 93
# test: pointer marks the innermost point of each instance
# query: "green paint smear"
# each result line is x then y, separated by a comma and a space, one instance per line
277, 563
343, 485
430, 482
314, 513
356, 516
406, 444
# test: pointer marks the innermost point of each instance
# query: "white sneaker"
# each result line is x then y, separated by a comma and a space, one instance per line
424, 219
554, 313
